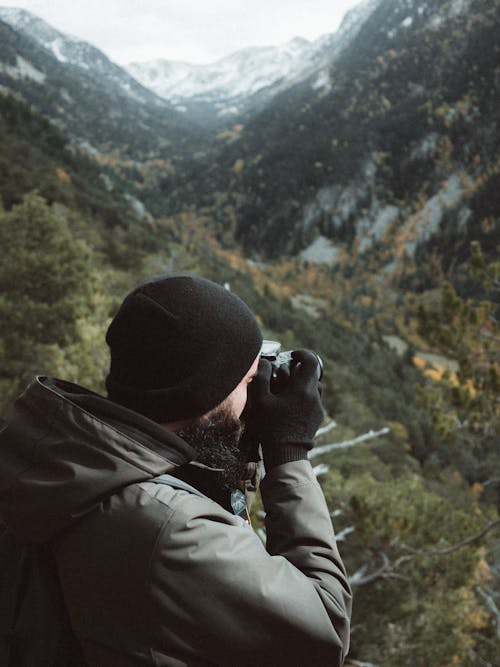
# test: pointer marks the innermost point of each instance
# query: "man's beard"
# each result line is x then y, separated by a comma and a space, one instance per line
216, 439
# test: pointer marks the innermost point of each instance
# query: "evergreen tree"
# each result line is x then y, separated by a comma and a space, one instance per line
48, 289
416, 559
465, 406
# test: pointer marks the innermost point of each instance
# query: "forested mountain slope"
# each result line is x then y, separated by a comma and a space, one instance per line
91, 105
399, 148
36, 156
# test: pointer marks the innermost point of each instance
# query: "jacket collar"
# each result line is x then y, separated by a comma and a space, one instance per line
67, 449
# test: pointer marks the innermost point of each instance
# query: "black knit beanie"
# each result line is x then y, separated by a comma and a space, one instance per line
179, 346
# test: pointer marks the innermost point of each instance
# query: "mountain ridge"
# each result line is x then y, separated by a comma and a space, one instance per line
92, 108
248, 79
71, 50
407, 123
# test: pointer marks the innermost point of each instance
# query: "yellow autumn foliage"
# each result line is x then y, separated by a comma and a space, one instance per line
63, 175
238, 166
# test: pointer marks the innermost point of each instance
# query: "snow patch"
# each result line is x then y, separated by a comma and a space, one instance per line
228, 111
127, 88
407, 22
108, 183
436, 22
66, 96
56, 47
459, 7
323, 82
23, 69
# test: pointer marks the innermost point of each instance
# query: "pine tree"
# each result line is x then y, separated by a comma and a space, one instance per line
48, 281
466, 405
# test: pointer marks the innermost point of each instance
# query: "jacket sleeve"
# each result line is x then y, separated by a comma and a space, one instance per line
218, 594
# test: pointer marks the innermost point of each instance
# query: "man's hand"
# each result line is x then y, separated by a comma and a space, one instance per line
286, 422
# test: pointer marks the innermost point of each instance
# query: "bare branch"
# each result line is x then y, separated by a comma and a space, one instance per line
326, 429
360, 578
321, 469
386, 571
491, 481
344, 533
454, 547
371, 435
389, 570
488, 596
491, 604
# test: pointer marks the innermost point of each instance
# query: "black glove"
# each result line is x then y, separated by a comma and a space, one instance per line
286, 422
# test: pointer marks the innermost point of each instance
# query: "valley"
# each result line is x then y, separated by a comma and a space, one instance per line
351, 196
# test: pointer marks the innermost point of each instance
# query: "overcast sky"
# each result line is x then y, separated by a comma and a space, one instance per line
197, 31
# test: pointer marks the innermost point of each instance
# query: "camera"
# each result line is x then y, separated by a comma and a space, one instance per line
281, 363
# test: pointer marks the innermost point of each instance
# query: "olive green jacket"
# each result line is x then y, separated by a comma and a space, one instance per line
158, 575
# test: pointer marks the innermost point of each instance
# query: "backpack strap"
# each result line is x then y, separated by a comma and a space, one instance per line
176, 483
238, 501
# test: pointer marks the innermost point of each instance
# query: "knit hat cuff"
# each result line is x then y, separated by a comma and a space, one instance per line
183, 401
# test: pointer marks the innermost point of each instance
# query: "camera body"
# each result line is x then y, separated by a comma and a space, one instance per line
282, 363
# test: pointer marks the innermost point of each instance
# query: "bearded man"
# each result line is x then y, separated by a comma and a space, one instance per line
143, 496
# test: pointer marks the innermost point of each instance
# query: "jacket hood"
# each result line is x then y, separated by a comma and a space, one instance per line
65, 449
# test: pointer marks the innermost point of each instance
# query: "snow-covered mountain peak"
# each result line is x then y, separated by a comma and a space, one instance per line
237, 75
244, 80
62, 45
240, 80
73, 51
